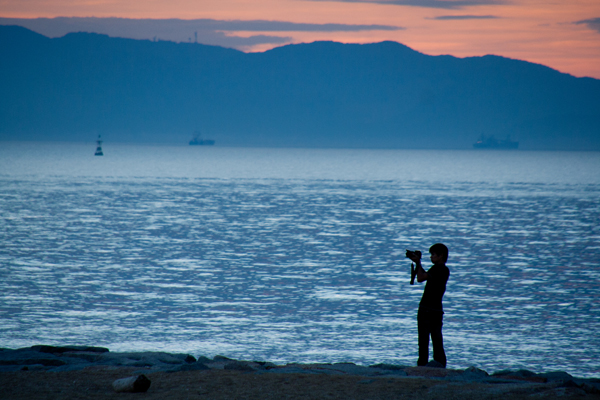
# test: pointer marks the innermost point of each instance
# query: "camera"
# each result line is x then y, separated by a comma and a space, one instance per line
413, 254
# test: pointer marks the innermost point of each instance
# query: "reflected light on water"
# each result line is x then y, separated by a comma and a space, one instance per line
302, 269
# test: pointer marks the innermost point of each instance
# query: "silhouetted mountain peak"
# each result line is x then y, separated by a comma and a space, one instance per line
329, 49
321, 94
14, 34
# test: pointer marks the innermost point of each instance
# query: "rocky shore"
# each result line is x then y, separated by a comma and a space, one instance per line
79, 372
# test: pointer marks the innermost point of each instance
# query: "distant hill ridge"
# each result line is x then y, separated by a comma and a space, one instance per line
322, 94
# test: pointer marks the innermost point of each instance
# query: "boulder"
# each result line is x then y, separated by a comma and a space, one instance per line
133, 384
389, 367
64, 349
590, 388
556, 376
520, 375
25, 357
434, 364
239, 366
523, 373
472, 370
204, 360
189, 359
197, 366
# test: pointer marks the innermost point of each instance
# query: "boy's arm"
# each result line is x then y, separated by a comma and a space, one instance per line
421, 274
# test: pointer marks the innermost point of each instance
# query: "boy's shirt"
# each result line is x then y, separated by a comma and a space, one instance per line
437, 277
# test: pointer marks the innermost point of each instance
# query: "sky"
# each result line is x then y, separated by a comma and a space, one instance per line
564, 35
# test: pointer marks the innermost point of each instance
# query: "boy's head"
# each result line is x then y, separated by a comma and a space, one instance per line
440, 250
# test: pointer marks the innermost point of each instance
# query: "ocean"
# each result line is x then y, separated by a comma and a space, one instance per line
297, 255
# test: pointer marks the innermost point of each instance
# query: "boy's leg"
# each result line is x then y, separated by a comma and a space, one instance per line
437, 339
423, 326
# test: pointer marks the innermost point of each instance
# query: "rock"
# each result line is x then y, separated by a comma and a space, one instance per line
64, 349
589, 388
162, 357
154, 360
190, 359
190, 367
353, 369
525, 373
389, 367
33, 361
133, 384
289, 369
434, 364
28, 357
238, 366
12, 360
474, 370
265, 364
520, 375
35, 367
502, 372
569, 383
559, 392
471, 374
556, 376
428, 372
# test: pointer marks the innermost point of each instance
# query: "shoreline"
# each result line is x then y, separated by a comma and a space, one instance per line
88, 372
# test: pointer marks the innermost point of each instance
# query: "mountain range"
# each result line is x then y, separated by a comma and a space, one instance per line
321, 94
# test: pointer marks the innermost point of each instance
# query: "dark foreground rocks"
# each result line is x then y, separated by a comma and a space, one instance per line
133, 384
74, 372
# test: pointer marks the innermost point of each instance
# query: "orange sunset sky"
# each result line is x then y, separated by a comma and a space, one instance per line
564, 35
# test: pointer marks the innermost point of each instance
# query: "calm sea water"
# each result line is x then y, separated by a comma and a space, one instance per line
297, 255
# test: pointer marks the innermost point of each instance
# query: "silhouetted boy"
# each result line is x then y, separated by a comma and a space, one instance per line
431, 312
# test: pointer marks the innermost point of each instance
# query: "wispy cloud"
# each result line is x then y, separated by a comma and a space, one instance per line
280, 26
445, 4
459, 17
593, 23
207, 31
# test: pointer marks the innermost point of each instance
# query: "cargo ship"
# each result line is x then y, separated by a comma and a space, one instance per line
198, 141
99, 147
491, 142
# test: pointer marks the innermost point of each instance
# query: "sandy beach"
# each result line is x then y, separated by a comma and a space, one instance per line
47, 372
218, 384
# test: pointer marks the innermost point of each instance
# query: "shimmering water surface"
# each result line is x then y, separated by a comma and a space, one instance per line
297, 255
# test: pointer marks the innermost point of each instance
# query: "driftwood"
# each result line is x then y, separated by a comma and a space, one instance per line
133, 384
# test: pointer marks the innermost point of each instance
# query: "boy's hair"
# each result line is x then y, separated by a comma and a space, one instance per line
440, 250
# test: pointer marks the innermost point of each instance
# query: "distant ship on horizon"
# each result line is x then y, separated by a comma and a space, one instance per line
99, 147
491, 142
198, 141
